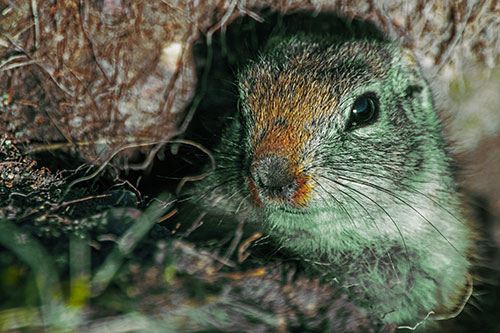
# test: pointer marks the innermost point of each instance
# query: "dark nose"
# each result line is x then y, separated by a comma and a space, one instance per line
273, 178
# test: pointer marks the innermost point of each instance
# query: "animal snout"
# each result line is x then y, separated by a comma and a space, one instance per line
273, 178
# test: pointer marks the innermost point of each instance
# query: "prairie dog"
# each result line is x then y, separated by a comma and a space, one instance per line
337, 153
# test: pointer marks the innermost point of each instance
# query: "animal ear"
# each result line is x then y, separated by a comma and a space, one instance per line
413, 86
410, 69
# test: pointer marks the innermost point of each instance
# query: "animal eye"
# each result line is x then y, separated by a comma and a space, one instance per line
364, 111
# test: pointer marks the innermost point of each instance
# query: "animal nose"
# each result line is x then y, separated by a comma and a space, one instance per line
273, 178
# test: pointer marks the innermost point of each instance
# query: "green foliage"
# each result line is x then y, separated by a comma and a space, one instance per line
60, 310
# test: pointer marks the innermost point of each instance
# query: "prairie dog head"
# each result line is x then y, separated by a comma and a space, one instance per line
345, 132
343, 125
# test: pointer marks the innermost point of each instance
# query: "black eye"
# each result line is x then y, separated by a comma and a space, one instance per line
364, 111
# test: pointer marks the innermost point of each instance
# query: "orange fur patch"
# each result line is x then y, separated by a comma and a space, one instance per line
254, 191
283, 109
303, 192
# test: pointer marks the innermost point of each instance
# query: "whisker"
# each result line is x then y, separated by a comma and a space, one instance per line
374, 223
245, 198
212, 189
338, 202
350, 217
404, 202
406, 186
379, 206
226, 212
